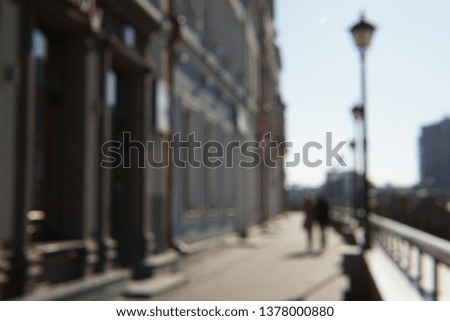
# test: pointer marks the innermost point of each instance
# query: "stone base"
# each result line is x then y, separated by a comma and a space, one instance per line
158, 264
99, 287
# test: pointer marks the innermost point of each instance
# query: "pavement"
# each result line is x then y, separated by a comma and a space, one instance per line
271, 265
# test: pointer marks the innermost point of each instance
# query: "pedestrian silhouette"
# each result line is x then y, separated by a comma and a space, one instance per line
308, 223
321, 210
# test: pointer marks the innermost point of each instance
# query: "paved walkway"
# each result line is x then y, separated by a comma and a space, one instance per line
267, 266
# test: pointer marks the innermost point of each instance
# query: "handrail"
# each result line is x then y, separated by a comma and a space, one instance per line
399, 241
428, 243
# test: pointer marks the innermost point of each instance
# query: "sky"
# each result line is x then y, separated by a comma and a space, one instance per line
408, 81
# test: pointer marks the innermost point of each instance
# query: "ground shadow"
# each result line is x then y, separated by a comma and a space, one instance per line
316, 287
250, 245
305, 253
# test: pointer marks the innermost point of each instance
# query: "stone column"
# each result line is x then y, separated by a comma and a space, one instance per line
16, 145
93, 107
108, 245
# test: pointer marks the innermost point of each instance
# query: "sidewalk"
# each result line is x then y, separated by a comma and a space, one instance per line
267, 266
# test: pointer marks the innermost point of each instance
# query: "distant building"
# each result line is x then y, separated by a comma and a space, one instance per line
434, 146
344, 188
295, 196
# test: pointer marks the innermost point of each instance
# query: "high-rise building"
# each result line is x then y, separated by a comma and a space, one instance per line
434, 145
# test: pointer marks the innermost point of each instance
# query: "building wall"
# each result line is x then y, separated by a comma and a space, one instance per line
435, 156
215, 95
270, 114
9, 34
73, 81
8, 118
63, 217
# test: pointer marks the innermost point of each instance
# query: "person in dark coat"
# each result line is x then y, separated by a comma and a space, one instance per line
322, 214
308, 222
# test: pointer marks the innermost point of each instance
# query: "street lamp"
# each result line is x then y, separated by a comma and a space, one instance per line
358, 115
362, 34
353, 146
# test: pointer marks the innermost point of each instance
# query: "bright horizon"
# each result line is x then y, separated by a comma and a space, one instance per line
408, 72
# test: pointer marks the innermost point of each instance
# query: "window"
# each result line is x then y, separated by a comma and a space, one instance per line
229, 177
128, 36
50, 134
212, 175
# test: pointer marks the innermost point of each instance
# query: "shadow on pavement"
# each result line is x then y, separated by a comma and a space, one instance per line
316, 287
302, 254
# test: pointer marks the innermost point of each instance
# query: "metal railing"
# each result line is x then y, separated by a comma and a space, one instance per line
407, 246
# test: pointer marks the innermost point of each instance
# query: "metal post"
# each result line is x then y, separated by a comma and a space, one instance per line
355, 178
419, 270
408, 259
435, 293
367, 243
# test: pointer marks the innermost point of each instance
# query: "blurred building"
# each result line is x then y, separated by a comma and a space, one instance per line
270, 118
435, 156
78, 73
344, 188
295, 195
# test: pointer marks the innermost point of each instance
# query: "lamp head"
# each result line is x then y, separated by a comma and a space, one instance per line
358, 112
362, 33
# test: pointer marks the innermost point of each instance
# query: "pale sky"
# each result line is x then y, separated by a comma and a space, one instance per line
408, 79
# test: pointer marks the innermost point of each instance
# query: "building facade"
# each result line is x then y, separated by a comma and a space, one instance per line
435, 156
220, 86
78, 77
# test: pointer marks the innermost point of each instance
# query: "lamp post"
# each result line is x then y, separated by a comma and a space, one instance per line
362, 34
353, 146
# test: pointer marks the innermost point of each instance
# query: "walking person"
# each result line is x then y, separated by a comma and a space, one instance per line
321, 210
308, 208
